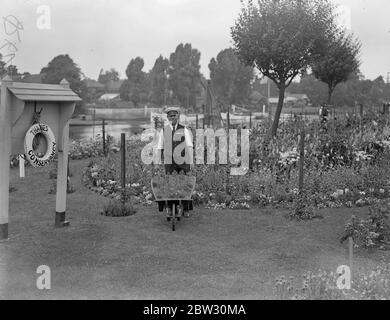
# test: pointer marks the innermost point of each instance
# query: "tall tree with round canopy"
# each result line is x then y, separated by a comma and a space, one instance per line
281, 38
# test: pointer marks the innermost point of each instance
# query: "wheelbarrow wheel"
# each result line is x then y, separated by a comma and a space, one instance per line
173, 220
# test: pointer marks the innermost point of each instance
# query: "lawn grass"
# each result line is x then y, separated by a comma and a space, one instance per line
212, 255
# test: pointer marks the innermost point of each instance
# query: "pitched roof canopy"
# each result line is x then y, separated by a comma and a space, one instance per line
43, 92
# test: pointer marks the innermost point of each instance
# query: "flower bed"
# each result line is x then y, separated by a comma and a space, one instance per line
322, 285
343, 167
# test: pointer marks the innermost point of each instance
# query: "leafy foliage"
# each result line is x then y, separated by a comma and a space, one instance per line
63, 67
135, 88
159, 81
322, 285
108, 76
374, 231
282, 38
230, 78
116, 208
338, 61
184, 74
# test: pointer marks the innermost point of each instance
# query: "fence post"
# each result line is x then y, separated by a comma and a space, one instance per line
228, 142
350, 244
250, 120
301, 158
93, 123
68, 189
204, 115
123, 166
197, 121
104, 136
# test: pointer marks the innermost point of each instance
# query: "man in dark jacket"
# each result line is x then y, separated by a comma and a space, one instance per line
169, 139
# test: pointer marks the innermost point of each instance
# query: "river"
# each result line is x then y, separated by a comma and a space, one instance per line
86, 129
113, 128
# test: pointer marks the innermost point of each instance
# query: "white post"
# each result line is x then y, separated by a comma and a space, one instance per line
62, 177
62, 165
350, 255
5, 152
21, 166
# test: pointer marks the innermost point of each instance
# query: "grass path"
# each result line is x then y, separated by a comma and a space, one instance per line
212, 255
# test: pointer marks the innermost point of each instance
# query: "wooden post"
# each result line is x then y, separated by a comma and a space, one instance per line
104, 136
250, 120
62, 165
197, 121
204, 116
301, 158
5, 152
361, 121
62, 179
350, 255
68, 189
93, 125
123, 165
228, 121
22, 172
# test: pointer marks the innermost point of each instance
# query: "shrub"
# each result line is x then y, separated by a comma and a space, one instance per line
371, 232
303, 206
118, 209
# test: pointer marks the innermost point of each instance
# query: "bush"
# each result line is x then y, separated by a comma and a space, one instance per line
118, 209
371, 232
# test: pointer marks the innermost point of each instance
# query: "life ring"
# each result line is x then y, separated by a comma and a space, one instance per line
31, 156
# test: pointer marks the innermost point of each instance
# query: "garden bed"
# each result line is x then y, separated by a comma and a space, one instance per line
229, 254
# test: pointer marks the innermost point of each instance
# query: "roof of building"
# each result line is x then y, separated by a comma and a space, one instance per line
109, 96
32, 78
90, 83
290, 97
114, 86
299, 96
43, 92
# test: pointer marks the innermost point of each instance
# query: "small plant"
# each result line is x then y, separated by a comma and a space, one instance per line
322, 285
371, 232
118, 209
303, 207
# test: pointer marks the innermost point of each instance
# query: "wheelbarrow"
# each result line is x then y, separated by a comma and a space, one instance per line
176, 189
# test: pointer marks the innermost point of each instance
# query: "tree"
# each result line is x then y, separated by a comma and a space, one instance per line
184, 74
159, 81
13, 72
124, 90
63, 67
338, 61
231, 79
3, 70
108, 75
315, 89
136, 88
281, 38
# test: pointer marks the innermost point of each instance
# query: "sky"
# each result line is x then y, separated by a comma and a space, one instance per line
108, 34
